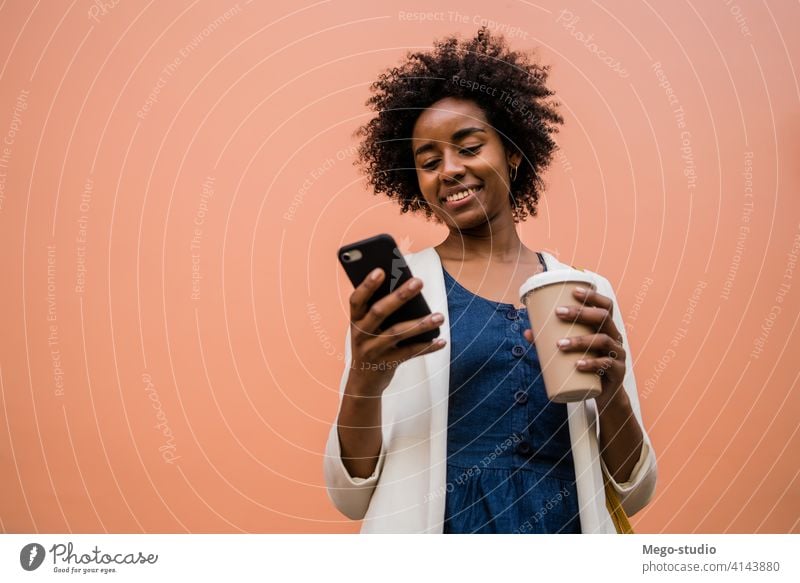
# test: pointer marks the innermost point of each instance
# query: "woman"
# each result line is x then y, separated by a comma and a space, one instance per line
457, 435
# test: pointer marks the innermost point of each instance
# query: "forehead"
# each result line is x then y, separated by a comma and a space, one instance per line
444, 117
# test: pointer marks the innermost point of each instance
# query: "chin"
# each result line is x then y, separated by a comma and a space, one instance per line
467, 220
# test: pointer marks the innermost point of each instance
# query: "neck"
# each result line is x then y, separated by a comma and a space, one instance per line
496, 241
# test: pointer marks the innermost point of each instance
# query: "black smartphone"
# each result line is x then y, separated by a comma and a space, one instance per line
361, 257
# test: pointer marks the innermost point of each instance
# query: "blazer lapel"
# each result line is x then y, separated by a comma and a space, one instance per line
582, 437
427, 266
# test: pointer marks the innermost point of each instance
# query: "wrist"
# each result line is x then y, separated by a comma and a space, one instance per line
616, 402
360, 389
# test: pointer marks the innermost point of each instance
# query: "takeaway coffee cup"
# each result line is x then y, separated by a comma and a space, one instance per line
542, 294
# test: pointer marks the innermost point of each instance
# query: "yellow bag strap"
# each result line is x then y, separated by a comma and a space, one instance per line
618, 516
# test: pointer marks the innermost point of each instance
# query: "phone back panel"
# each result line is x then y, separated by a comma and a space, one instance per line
381, 251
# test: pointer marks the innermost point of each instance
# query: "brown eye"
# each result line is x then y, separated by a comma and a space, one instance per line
471, 150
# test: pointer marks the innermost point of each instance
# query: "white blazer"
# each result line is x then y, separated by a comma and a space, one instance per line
406, 492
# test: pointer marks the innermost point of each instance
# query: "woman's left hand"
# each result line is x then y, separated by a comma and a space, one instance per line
602, 351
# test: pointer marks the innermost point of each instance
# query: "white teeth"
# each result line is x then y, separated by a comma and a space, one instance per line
460, 195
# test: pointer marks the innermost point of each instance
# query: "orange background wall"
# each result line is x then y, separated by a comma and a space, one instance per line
175, 180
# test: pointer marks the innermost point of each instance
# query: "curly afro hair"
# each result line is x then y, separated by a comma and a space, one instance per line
505, 84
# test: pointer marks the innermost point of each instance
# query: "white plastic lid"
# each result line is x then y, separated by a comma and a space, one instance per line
554, 276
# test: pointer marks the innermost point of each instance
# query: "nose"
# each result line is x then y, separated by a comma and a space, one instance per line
452, 166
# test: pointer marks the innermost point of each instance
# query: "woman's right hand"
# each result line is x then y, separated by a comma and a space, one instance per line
375, 354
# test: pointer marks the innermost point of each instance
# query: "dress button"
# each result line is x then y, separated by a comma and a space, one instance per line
521, 397
523, 448
515, 327
511, 314
518, 351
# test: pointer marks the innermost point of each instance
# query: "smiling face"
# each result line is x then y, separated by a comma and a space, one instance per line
462, 165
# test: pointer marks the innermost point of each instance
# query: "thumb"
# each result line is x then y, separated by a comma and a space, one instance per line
528, 333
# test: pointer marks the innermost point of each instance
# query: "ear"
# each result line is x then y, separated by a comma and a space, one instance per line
513, 157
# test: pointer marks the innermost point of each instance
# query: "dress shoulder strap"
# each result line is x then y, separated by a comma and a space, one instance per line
541, 260
544, 263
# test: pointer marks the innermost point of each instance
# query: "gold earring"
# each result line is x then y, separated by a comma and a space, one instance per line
513, 173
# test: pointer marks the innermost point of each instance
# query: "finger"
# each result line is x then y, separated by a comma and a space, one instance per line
410, 328
600, 366
418, 349
592, 297
362, 294
601, 344
598, 319
386, 306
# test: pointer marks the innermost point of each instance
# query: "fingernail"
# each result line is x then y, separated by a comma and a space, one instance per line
563, 342
415, 284
580, 290
581, 362
562, 310
376, 273
439, 342
437, 318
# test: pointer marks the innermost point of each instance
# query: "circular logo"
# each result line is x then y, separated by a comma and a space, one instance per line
31, 556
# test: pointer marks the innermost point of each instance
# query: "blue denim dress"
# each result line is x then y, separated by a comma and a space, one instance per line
509, 458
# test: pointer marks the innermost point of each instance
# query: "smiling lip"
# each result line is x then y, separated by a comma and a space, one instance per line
458, 202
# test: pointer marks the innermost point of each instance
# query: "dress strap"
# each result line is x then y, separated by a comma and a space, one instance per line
541, 260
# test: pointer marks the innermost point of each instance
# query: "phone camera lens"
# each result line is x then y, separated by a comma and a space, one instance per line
351, 255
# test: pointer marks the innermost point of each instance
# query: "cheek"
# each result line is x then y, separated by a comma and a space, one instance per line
489, 167
427, 183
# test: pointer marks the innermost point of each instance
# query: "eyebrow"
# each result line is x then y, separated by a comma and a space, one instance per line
458, 135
